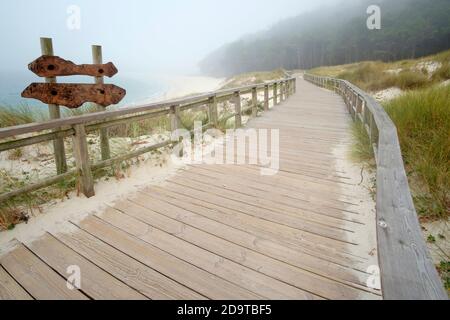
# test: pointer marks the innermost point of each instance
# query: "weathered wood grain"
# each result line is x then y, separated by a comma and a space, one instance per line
54, 66
74, 95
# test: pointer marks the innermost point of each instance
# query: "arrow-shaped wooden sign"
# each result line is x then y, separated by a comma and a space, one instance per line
74, 95
53, 66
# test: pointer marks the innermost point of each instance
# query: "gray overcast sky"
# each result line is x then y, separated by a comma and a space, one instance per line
138, 35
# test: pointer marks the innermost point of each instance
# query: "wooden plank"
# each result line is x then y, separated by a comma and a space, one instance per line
75, 95
185, 273
173, 198
38, 278
10, 289
95, 282
217, 264
20, 143
54, 66
262, 209
257, 261
302, 201
135, 274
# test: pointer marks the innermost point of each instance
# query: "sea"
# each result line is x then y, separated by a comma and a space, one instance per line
139, 86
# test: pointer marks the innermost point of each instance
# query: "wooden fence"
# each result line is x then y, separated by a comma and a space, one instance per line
407, 271
78, 127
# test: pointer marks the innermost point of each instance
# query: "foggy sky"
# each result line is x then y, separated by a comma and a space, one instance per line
137, 35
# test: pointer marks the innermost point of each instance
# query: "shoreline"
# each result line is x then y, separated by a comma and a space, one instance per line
181, 86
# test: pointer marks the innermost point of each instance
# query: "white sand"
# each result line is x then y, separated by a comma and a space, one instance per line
440, 231
181, 86
387, 94
361, 180
430, 66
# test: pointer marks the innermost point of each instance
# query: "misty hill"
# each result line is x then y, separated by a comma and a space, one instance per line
339, 35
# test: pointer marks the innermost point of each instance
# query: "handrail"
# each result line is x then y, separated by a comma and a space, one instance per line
100, 116
407, 271
77, 128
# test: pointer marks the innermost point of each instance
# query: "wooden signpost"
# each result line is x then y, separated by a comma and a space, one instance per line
73, 95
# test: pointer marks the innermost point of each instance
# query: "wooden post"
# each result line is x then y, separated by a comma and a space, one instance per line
266, 98
81, 154
238, 110
174, 118
281, 91
365, 114
359, 105
275, 93
373, 130
97, 58
213, 116
352, 105
254, 102
55, 113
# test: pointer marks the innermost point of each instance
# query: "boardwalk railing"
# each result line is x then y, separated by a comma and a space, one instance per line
78, 127
407, 272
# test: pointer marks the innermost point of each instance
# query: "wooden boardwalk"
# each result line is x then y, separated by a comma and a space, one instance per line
225, 232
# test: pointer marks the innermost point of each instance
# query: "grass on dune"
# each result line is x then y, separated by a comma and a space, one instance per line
372, 76
423, 121
377, 75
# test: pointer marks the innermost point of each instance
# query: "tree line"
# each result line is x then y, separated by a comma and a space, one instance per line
339, 35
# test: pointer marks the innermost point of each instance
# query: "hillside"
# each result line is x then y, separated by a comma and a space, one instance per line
339, 35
